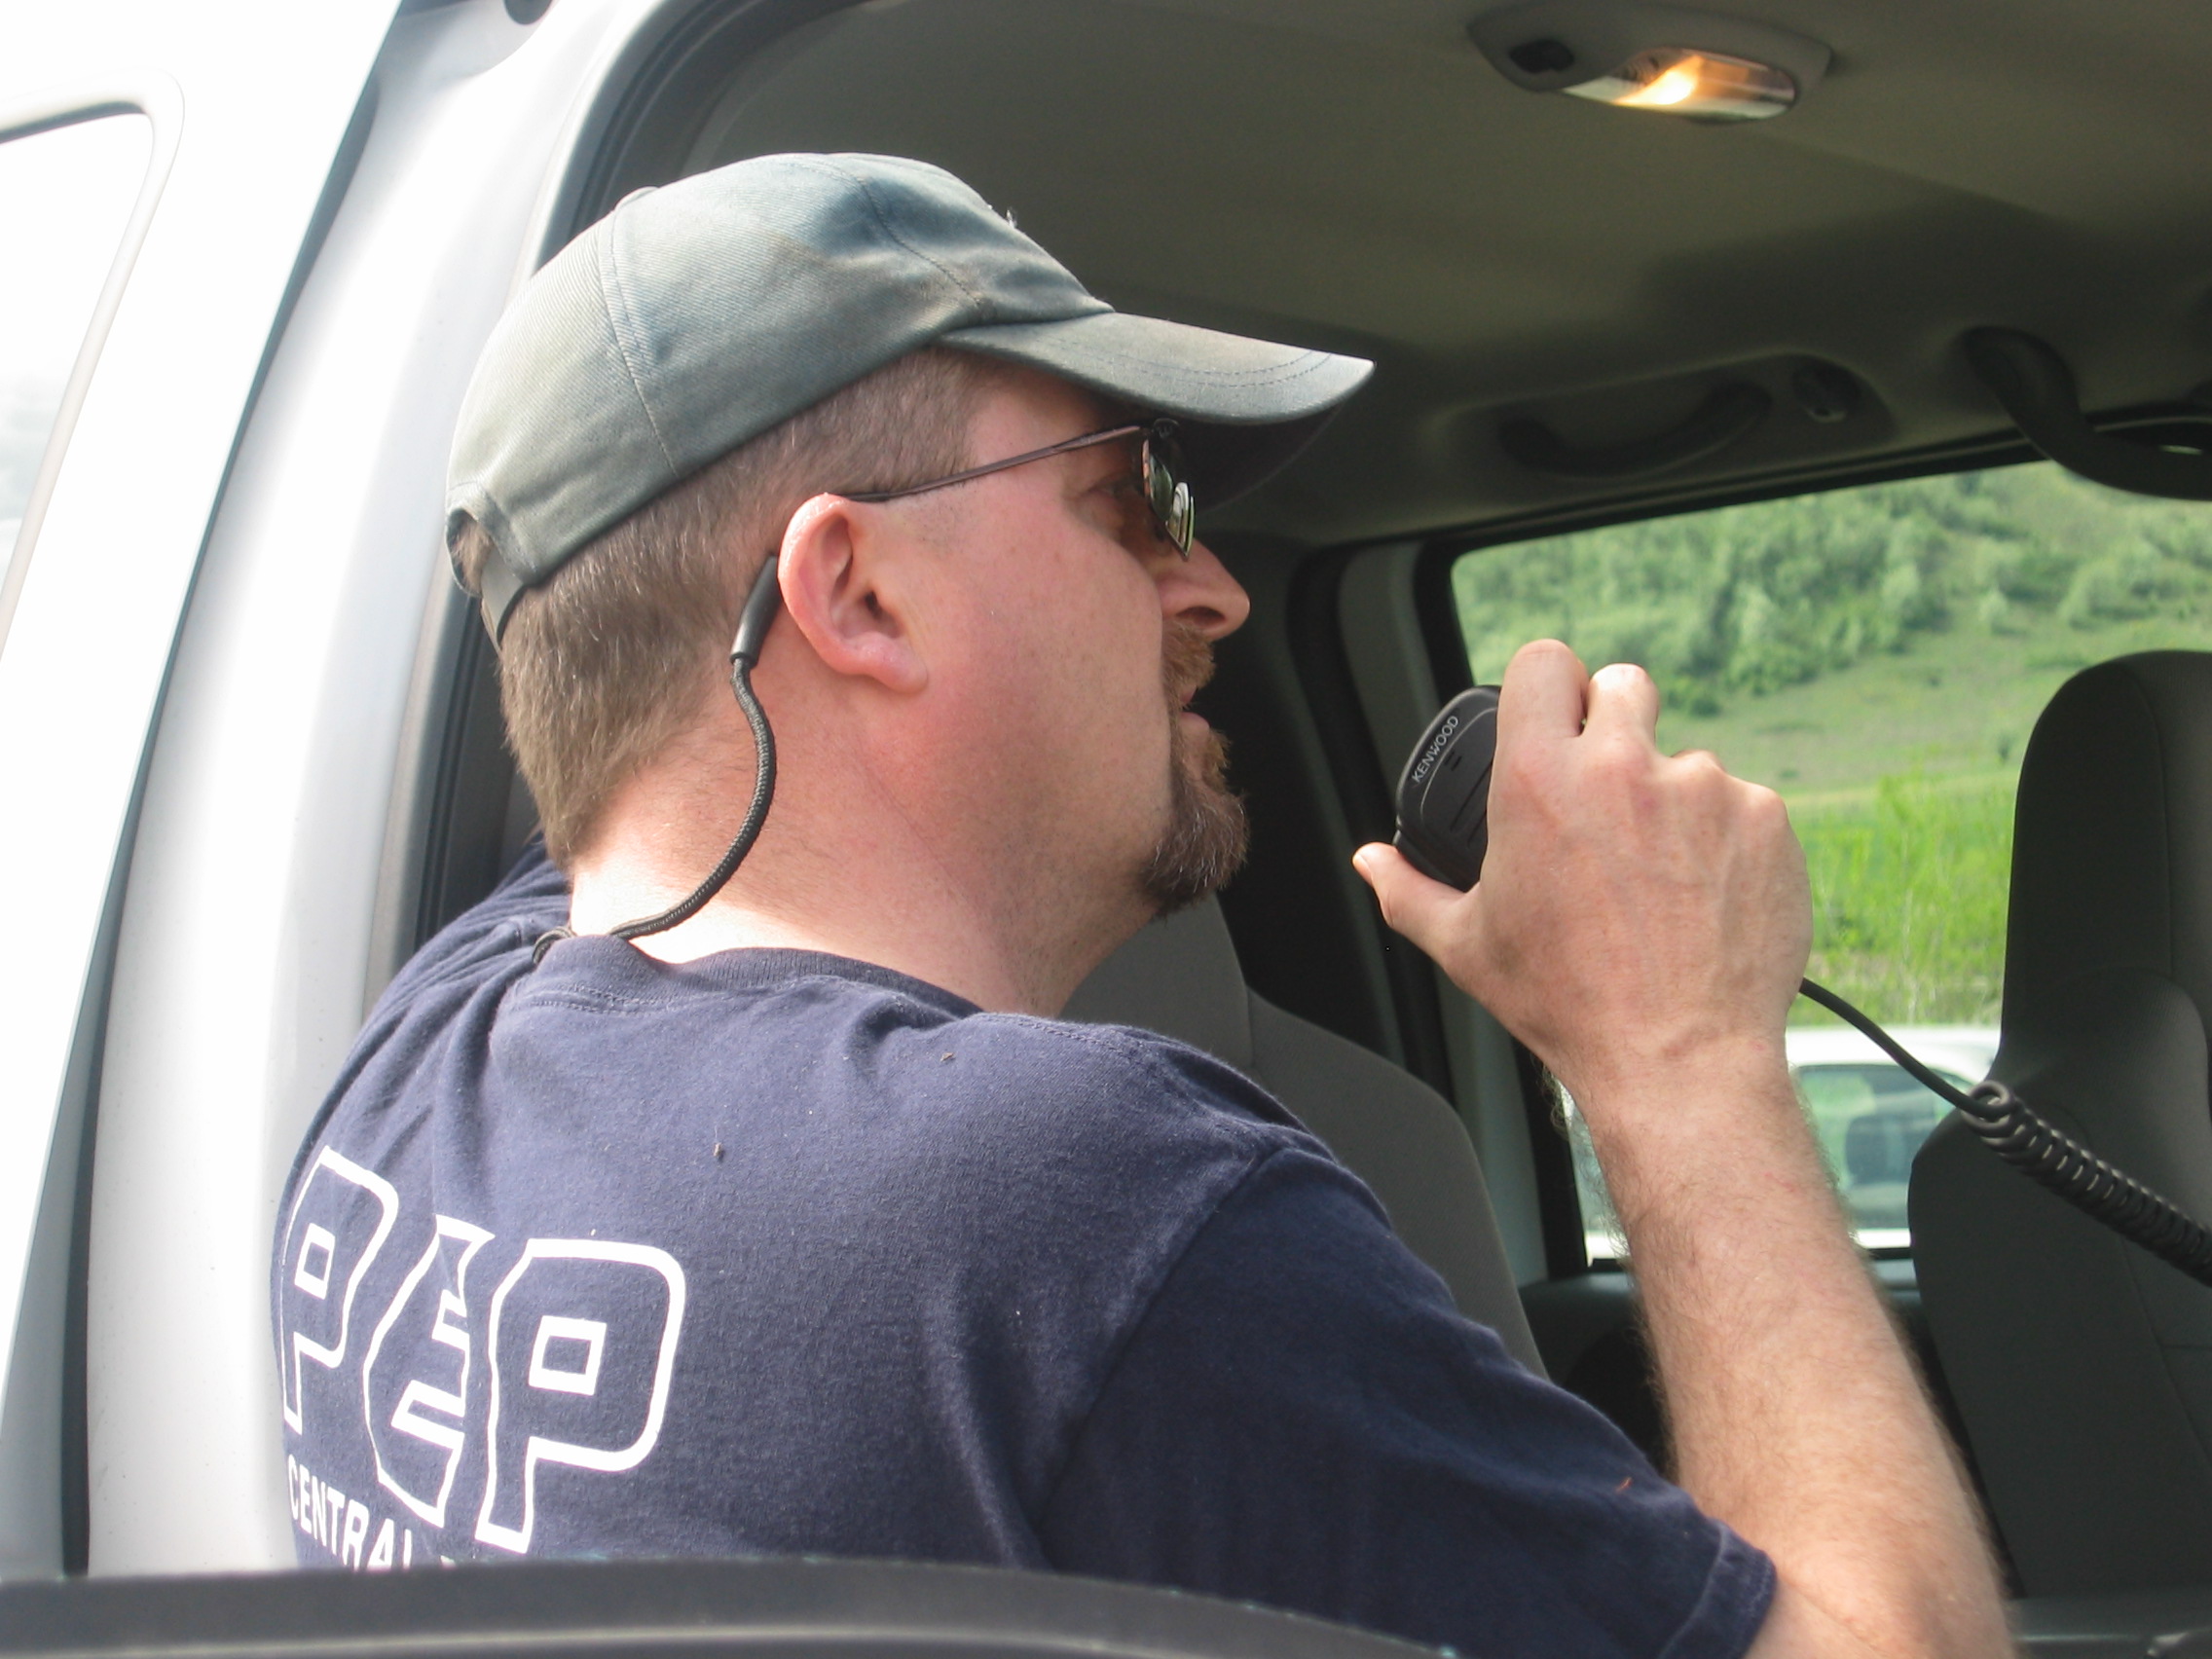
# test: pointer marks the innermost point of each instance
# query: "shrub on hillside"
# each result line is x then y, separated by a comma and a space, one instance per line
1745, 600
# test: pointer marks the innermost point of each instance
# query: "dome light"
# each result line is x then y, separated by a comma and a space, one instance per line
1700, 65
1705, 86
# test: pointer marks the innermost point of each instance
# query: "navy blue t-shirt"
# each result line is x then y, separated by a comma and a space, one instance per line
779, 1253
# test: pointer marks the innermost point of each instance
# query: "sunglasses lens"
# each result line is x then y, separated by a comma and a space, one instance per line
1169, 495
1183, 520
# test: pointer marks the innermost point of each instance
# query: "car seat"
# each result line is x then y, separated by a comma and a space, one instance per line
2081, 1366
1180, 978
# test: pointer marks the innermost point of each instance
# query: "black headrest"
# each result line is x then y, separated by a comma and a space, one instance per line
2112, 856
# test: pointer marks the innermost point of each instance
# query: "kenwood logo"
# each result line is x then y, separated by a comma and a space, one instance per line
1437, 745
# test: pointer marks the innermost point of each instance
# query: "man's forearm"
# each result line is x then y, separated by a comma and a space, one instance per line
1642, 922
1796, 1415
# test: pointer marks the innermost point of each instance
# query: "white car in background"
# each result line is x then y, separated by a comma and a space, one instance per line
1871, 1115
1868, 1112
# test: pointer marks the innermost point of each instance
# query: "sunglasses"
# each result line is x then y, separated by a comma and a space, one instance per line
1159, 462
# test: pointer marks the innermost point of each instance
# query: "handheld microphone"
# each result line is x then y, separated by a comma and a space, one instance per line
1444, 792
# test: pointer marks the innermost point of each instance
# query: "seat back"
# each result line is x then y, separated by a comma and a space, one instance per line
2081, 1366
1180, 978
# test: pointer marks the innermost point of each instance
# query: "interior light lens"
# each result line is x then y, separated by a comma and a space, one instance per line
1702, 84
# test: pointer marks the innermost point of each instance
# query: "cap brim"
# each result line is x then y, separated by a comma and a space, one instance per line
1249, 405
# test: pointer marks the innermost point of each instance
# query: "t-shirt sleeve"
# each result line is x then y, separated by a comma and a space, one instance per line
1303, 1418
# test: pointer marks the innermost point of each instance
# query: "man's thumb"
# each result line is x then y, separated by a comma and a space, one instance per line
1412, 904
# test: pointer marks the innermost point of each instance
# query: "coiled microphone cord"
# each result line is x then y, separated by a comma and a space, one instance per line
2047, 1155
753, 624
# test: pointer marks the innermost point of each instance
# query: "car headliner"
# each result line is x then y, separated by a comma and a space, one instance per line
1353, 174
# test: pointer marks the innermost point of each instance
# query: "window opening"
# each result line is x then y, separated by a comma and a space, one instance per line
1878, 655
66, 194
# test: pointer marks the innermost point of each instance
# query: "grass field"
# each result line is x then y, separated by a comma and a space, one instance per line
1899, 772
1908, 899
1947, 705
1899, 759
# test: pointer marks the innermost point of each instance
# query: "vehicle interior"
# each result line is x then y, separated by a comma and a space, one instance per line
1558, 296
1587, 320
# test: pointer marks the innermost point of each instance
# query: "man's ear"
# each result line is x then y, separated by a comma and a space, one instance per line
842, 595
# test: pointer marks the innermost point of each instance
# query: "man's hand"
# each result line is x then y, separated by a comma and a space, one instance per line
1635, 912
1641, 923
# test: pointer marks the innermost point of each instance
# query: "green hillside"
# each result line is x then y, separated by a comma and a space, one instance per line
1878, 655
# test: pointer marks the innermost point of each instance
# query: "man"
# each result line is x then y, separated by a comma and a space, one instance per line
782, 1217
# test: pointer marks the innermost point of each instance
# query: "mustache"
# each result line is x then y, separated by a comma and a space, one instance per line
1186, 663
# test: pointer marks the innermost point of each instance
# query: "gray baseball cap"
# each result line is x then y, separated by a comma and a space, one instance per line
697, 315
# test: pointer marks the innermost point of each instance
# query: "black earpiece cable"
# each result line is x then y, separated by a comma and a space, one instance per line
2047, 1155
753, 624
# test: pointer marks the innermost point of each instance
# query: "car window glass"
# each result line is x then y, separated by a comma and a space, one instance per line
1879, 656
66, 197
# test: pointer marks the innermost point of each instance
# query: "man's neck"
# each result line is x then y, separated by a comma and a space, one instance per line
1010, 949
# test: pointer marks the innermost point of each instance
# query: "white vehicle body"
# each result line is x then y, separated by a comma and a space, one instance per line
1831, 1060
237, 773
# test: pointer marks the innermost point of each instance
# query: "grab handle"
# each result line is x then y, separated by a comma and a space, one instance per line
2036, 389
1727, 413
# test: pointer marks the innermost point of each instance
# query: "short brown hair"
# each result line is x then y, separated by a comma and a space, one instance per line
609, 659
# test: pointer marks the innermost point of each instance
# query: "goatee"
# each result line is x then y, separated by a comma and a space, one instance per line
1207, 834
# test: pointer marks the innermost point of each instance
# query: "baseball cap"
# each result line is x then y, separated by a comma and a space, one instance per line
697, 315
